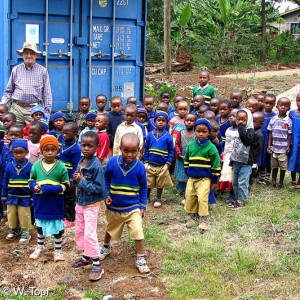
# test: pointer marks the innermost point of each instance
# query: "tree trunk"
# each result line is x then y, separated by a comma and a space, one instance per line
167, 37
263, 31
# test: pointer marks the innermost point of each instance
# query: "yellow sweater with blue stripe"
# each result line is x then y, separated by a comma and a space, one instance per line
126, 184
202, 160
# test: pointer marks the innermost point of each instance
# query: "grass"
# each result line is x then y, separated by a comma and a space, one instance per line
251, 253
94, 295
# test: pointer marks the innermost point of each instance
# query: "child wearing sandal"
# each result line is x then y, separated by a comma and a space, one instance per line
90, 192
126, 181
49, 180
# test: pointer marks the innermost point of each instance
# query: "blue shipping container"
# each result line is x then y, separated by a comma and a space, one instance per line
90, 47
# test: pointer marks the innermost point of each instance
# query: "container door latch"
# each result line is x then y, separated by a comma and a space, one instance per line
60, 53
99, 54
122, 54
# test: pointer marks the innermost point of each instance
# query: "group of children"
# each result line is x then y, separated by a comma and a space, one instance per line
57, 179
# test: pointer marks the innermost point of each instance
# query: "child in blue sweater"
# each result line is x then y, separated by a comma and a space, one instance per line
17, 194
59, 120
69, 154
49, 180
126, 181
158, 155
90, 192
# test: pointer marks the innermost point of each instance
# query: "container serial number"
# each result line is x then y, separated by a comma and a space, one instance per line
123, 2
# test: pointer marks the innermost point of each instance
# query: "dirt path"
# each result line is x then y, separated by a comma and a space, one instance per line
263, 74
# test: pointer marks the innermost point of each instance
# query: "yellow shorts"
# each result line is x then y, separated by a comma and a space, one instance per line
158, 177
196, 196
116, 222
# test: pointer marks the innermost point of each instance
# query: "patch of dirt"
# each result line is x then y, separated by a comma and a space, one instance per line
121, 276
184, 83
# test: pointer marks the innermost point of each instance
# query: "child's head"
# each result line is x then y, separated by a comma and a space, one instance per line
84, 104
232, 117
3, 110
165, 96
9, 119
270, 101
129, 147
215, 127
130, 113
59, 120
182, 109
162, 106
258, 119
37, 112
90, 119
252, 104
198, 101
189, 121
236, 98
225, 107
148, 103
202, 109
215, 105
261, 100
283, 106
177, 99
89, 144
161, 120
70, 131
101, 101
102, 122
241, 117
15, 132
142, 115
116, 104
204, 78
49, 147
209, 115
36, 130
20, 150
202, 129
298, 101
132, 100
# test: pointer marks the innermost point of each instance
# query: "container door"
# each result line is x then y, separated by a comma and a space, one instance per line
114, 61
51, 25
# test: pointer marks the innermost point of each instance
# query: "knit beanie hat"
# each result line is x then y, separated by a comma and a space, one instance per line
91, 115
161, 113
37, 108
49, 140
203, 122
44, 121
20, 143
58, 115
142, 110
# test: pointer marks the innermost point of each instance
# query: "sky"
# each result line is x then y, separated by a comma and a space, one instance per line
284, 5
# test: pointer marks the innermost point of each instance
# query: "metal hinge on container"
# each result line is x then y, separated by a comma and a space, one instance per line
11, 16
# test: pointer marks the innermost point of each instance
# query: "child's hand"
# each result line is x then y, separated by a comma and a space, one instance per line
181, 156
287, 151
143, 213
108, 201
214, 186
216, 141
37, 188
269, 150
77, 177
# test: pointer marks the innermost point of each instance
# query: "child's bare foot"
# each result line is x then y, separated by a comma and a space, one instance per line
183, 202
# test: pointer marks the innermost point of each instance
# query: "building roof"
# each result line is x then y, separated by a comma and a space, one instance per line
290, 11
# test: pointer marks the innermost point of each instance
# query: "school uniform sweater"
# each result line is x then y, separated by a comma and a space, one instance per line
48, 204
5, 158
208, 92
126, 184
159, 149
15, 183
114, 121
202, 160
59, 135
69, 155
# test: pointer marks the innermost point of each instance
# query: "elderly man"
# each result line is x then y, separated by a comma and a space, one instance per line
28, 86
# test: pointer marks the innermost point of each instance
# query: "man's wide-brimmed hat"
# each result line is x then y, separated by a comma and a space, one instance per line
30, 46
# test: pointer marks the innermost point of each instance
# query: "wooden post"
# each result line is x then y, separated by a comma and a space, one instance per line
263, 31
167, 37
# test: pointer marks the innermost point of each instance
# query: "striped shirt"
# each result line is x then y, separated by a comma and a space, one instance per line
29, 86
280, 128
